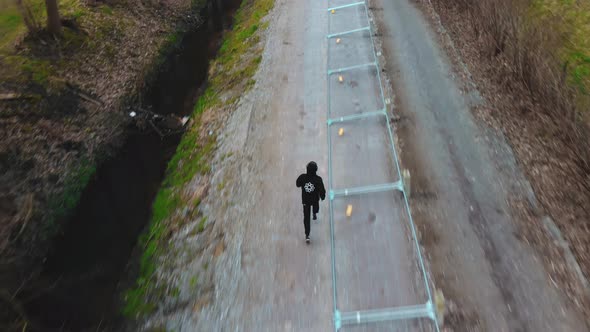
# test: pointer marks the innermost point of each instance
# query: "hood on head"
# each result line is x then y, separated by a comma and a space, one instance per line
312, 168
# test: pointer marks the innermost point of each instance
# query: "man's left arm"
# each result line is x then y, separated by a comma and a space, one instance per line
322, 189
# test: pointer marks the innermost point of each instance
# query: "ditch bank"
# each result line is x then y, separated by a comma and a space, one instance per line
78, 287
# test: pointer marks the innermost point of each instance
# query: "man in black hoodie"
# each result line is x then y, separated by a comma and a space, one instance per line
312, 189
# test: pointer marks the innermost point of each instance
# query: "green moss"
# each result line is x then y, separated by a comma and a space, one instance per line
168, 200
172, 40
136, 304
175, 292
38, 70
580, 71
194, 281
63, 203
68, 7
247, 33
106, 10
11, 22
202, 224
221, 185
226, 155
78, 13
24, 67
241, 40
72, 40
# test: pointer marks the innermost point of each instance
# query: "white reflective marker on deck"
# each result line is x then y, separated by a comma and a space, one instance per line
347, 32
367, 189
356, 117
340, 70
386, 314
360, 3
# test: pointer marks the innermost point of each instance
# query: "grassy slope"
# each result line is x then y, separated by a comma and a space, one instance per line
12, 25
12, 29
573, 19
11, 22
236, 63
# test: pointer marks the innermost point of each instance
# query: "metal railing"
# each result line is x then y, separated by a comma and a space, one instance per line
424, 310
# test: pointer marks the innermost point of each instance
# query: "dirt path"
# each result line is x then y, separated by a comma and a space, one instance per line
285, 284
268, 279
464, 174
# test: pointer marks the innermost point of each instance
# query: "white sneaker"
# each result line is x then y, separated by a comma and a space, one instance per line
307, 240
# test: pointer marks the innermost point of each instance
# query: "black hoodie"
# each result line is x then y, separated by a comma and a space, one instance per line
312, 186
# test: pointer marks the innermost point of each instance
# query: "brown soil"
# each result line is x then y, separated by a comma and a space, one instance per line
59, 118
547, 154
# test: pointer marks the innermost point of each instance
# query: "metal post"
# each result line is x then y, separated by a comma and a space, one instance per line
386, 314
367, 189
360, 3
340, 70
339, 34
355, 117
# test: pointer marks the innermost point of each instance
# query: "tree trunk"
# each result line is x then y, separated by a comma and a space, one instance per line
53, 21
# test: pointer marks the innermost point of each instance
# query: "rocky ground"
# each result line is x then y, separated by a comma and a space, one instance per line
548, 157
553, 158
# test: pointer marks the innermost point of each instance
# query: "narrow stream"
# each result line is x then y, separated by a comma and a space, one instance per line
90, 256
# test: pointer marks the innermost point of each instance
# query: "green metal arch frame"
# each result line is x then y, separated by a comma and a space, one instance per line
426, 310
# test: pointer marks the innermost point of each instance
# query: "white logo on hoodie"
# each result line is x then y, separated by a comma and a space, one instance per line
309, 187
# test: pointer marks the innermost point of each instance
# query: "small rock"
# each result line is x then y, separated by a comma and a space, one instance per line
372, 217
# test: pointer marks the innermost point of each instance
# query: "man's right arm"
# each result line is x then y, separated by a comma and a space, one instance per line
300, 181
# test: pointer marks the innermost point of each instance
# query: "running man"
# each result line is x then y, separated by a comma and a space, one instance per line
312, 189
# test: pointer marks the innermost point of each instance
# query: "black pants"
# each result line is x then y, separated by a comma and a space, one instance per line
306, 214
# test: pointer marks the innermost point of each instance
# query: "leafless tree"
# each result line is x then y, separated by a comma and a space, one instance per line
27, 14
